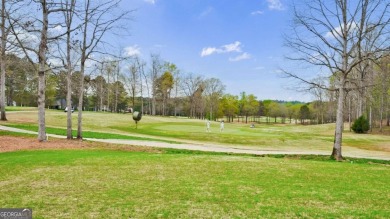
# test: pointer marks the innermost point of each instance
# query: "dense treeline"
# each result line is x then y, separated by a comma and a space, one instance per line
174, 93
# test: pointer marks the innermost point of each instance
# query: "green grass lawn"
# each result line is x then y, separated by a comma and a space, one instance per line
86, 134
118, 184
18, 108
264, 136
15, 134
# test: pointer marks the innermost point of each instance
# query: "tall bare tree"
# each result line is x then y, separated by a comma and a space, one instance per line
132, 81
214, 91
69, 12
177, 91
141, 65
2, 61
193, 87
338, 36
155, 72
99, 19
31, 25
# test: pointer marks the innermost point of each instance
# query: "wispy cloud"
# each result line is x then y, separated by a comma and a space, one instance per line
150, 1
243, 56
206, 12
260, 68
275, 5
132, 50
257, 13
233, 47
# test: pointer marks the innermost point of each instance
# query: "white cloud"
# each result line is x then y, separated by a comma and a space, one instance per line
275, 5
132, 50
257, 13
243, 56
208, 51
337, 31
150, 1
233, 47
56, 29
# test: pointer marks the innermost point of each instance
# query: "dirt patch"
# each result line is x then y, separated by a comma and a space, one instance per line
11, 143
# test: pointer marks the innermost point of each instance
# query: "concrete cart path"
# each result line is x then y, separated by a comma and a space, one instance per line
209, 147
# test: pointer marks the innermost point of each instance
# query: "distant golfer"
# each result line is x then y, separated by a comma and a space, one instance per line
208, 126
222, 126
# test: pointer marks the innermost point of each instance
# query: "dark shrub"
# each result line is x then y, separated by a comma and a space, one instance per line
360, 125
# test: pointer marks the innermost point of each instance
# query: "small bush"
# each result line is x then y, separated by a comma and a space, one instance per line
360, 125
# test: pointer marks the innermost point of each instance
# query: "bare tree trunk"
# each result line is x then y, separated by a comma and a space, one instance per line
336, 153
69, 102
41, 73
69, 92
211, 113
175, 100
82, 70
370, 119
141, 89
81, 94
153, 104
381, 113
2, 62
101, 87
69, 12
360, 100
387, 114
2, 90
81, 100
116, 89
108, 89
349, 114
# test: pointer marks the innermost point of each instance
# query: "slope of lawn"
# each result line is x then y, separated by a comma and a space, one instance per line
117, 184
264, 136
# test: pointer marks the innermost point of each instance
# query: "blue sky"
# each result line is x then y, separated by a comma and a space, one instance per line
238, 41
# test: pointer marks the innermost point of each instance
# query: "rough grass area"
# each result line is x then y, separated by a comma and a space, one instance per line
118, 184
